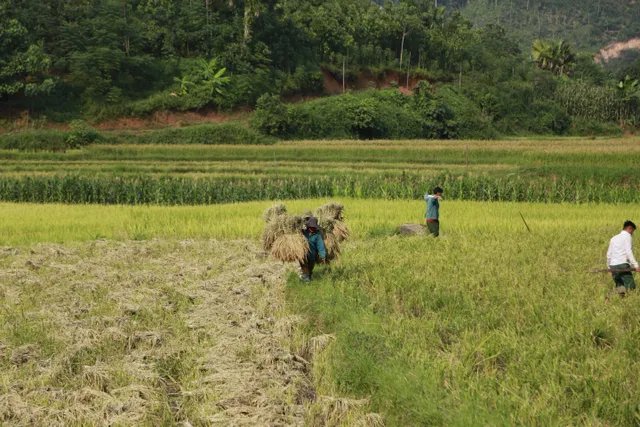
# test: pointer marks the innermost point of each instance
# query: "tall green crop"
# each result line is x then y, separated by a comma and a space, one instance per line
142, 190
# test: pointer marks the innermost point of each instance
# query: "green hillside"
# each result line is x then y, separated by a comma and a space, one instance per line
469, 63
590, 24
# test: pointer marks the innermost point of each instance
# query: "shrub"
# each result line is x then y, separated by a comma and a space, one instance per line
245, 89
37, 140
203, 134
468, 119
364, 115
581, 127
81, 134
271, 116
303, 82
549, 118
167, 101
373, 114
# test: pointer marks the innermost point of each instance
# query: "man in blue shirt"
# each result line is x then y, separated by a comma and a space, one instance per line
316, 248
433, 211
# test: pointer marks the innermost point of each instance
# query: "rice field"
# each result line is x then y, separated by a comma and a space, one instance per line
24, 224
489, 325
605, 160
552, 171
135, 292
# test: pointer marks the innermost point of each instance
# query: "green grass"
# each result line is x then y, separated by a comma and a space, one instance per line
489, 325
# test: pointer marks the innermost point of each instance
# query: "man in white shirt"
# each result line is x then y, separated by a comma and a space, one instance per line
620, 257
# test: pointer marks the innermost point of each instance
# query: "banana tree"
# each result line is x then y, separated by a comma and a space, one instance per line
184, 83
213, 77
216, 82
628, 91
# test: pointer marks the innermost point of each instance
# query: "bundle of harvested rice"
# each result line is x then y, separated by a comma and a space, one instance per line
279, 226
331, 215
326, 224
327, 227
331, 210
274, 211
341, 231
290, 248
332, 246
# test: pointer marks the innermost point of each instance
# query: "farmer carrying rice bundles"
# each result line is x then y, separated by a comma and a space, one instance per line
307, 238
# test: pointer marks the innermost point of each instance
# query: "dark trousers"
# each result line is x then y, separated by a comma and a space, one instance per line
624, 278
307, 267
434, 228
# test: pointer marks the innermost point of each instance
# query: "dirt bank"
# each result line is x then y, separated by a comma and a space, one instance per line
616, 50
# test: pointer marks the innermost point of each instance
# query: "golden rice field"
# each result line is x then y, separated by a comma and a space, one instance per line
36, 223
121, 315
572, 158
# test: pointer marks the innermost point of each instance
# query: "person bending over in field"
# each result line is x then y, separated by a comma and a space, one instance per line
433, 211
316, 248
620, 257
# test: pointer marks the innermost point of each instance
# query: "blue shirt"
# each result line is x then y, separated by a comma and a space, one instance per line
316, 245
433, 207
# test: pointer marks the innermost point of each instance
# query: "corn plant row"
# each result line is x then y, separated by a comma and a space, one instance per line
75, 189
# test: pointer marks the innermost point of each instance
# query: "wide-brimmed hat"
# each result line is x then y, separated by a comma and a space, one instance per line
312, 222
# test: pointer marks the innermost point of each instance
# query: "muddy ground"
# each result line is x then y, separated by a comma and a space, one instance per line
147, 333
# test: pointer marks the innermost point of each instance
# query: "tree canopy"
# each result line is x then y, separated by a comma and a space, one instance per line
101, 57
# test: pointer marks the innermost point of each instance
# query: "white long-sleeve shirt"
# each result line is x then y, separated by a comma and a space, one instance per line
621, 250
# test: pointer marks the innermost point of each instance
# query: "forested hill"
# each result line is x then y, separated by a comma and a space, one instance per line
472, 65
587, 23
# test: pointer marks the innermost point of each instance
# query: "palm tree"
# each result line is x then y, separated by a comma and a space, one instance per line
553, 57
563, 57
542, 53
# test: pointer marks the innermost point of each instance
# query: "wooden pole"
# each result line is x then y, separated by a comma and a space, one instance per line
610, 270
525, 222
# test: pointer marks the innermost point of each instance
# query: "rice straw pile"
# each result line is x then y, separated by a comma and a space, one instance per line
334, 211
273, 212
282, 234
290, 248
331, 243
